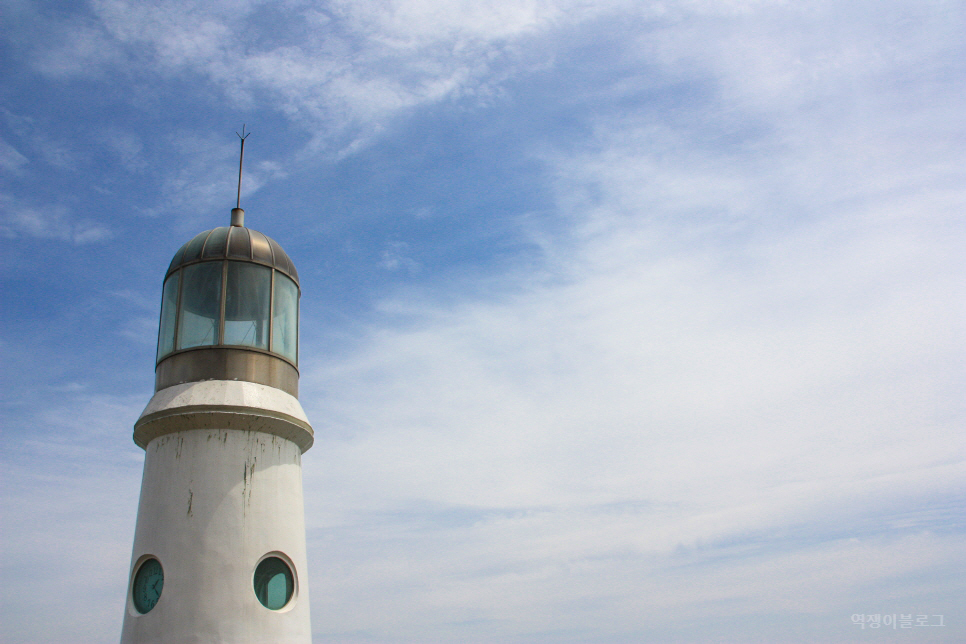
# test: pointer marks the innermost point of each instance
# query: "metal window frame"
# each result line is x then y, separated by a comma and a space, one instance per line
220, 340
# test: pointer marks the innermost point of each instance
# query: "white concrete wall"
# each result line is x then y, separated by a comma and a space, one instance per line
213, 503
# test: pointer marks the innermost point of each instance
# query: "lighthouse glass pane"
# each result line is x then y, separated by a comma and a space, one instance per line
285, 318
274, 583
169, 313
200, 305
247, 297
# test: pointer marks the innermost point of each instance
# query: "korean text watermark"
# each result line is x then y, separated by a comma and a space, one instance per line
896, 621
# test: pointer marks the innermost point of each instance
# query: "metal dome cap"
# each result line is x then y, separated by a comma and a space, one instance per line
236, 243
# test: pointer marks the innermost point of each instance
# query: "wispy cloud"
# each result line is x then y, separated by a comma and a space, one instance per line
39, 143
126, 147
206, 177
10, 159
727, 429
395, 256
67, 476
81, 48
347, 66
51, 222
726, 394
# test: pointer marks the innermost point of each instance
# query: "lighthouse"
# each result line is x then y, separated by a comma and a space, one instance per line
219, 546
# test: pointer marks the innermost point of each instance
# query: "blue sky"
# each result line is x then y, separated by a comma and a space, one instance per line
621, 321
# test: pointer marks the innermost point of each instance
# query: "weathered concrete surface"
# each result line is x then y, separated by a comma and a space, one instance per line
224, 404
214, 502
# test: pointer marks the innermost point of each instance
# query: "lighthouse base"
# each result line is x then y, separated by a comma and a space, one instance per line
216, 503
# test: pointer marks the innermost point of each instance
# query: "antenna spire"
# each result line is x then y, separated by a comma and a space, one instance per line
237, 214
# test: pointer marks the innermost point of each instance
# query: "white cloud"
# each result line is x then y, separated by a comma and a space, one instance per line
10, 159
126, 147
780, 57
732, 391
77, 48
352, 66
672, 416
620, 455
206, 177
50, 222
39, 143
395, 256
70, 497
411, 25
349, 66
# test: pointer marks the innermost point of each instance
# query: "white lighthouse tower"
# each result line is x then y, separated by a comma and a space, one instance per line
219, 547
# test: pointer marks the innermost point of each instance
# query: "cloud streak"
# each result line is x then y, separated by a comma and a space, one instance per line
729, 394
52, 222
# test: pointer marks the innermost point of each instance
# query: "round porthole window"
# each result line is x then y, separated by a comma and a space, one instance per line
274, 583
147, 586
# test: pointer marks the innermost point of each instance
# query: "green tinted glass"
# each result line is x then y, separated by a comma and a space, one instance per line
285, 318
274, 583
200, 305
147, 586
169, 313
247, 295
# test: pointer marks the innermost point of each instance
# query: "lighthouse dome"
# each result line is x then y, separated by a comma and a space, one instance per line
229, 311
236, 243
